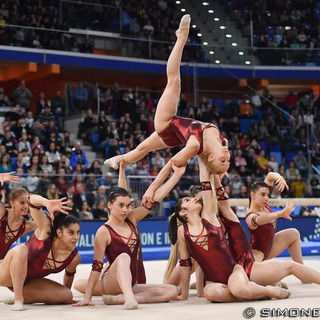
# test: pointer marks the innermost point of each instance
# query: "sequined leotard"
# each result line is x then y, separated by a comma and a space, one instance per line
8, 236
239, 244
41, 261
211, 251
180, 129
120, 244
262, 236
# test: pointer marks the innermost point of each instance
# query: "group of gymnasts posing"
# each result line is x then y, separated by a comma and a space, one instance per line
227, 266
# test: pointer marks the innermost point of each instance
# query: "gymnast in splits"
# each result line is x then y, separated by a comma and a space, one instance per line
198, 137
266, 243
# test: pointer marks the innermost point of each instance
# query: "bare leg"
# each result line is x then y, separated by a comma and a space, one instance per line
153, 142
273, 271
168, 103
243, 289
258, 255
81, 285
118, 280
46, 291
147, 293
13, 273
218, 292
289, 238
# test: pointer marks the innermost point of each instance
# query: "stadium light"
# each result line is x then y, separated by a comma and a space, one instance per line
199, 34
210, 11
217, 61
234, 44
223, 27
216, 19
241, 53
211, 52
228, 35
183, 10
247, 62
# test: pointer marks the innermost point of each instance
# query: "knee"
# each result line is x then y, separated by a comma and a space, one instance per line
171, 292
21, 253
174, 82
214, 294
242, 292
124, 259
296, 234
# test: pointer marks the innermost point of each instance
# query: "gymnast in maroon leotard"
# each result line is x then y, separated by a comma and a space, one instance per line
50, 250
40, 262
12, 223
180, 129
217, 264
261, 220
119, 240
170, 130
130, 245
262, 237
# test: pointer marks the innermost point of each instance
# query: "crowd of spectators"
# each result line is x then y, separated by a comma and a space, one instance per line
44, 24
261, 140
282, 24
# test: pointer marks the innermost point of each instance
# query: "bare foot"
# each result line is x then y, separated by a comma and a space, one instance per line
113, 162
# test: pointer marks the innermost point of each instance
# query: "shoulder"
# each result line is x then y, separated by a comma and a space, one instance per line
181, 232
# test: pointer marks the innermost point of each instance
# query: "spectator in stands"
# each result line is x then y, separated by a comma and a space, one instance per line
100, 212
5, 164
101, 195
19, 163
45, 164
46, 115
301, 162
61, 181
252, 163
58, 106
239, 159
262, 160
246, 108
74, 210
20, 184
79, 157
88, 127
298, 188
10, 144
274, 164
52, 192
85, 212
306, 211
291, 99
255, 146
41, 103
32, 180
44, 183
81, 97
92, 184
157, 160
234, 126
3, 102
292, 172
81, 196
107, 181
95, 168
22, 95
315, 187
255, 100
232, 108
53, 154
235, 183
5, 98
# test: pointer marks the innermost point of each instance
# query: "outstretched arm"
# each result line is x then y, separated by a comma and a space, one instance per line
261, 218
137, 214
9, 177
180, 159
36, 203
280, 182
122, 181
223, 200
209, 209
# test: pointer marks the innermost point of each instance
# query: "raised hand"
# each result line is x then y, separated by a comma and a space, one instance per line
281, 184
287, 211
57, 205
147, 199
8, 176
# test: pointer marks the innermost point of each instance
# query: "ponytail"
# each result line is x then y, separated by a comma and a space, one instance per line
61, 220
